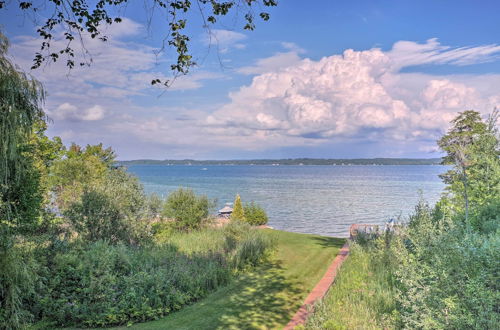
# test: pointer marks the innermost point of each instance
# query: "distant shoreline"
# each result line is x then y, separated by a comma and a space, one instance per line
285, 162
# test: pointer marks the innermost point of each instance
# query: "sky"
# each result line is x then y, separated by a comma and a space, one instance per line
320, 79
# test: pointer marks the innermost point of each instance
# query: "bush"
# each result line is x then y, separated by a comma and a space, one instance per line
435, 273
99, 284
154, 205
248, 245
113, 211
102, 284
447, 274
254, 214
187, 209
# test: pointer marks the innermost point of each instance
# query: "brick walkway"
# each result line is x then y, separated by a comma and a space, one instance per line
319, 290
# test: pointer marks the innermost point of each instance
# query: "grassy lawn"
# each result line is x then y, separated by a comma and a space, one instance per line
268, 296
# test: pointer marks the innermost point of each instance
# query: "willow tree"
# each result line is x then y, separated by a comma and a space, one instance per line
21, 99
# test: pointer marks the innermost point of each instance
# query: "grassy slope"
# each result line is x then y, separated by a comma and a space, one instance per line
266, 297
362, 297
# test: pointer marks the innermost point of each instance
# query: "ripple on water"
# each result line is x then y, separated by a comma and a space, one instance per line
323, 200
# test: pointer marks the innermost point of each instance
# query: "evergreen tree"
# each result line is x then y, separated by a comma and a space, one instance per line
238, 212
472, 147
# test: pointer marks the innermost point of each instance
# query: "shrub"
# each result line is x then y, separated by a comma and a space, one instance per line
187, 209
154, 205
255, 214
99, 284
238, 213
113, 211
446, 274
163, 230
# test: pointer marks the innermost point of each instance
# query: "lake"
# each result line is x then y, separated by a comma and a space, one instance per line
323, 200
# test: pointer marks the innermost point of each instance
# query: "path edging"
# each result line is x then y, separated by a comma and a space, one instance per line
319, 290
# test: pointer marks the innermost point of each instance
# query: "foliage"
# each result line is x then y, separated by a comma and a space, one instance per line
113, 211
473, 147
79, 170
101, 284
255, 214
363, 296
17, 278
443, 269
44, 152
238, 213
21, 99
187, 209
85, 18
154, 205
446, 274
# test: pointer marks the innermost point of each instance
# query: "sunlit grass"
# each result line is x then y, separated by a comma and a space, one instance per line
362, 296
268, 296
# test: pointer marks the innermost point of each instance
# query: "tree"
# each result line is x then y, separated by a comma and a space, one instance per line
21, 99
82, 17
472, 147
238, 213
78, 171
255, 214
113, 210
187, 209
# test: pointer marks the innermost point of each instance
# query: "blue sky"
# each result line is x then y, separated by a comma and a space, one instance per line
329, 79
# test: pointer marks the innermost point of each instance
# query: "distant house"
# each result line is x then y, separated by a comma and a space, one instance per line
225, 212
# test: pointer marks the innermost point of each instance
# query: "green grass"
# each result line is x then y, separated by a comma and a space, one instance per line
363, 296
266, 297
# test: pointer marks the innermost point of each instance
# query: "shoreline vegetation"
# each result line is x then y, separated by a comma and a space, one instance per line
82, 245
294, 161
440, 270
265, 297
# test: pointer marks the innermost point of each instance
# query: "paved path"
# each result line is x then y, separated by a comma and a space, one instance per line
319, 290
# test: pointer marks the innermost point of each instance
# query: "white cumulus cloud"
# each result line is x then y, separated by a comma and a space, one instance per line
70, 112
359, 94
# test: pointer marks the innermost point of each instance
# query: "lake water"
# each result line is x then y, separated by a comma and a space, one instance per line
322, 200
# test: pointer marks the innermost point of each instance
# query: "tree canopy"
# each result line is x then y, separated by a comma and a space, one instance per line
472, 146
21, 99
82, 17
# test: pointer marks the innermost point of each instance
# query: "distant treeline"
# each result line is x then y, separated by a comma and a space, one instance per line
294, 161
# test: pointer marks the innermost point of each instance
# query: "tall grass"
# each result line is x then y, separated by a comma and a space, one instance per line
363, 296
101, 284
436, 273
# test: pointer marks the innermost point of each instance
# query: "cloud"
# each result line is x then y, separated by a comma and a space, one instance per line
357, 95
408, 53
358, 98
69, 112
120, 74
224, 40
293, 47
275, 62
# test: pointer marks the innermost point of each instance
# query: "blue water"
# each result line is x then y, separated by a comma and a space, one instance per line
322, 200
